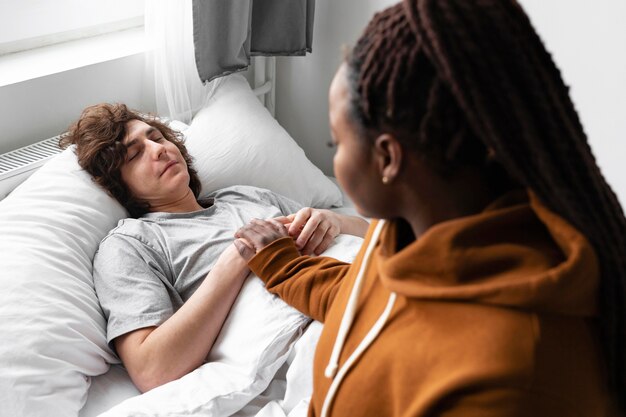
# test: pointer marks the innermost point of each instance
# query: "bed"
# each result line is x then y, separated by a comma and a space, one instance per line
54, 360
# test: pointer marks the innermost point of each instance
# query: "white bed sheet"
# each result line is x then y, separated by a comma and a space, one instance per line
287, 395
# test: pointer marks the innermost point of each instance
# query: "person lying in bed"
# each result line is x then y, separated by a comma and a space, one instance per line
167, 277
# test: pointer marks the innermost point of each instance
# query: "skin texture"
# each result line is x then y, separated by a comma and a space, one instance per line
357, 167
313, 231
155, 170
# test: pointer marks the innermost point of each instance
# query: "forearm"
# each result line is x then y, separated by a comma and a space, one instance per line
182, 343
307, 283
353, 225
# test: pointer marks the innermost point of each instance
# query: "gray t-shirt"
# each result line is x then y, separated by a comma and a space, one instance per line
146, 268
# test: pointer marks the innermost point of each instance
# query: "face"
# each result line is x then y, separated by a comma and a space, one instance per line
353, 163
154, 170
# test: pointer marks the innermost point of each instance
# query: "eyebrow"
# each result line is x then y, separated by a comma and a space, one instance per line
149, 131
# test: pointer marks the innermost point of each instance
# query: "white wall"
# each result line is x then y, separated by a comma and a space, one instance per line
587, 38
44, 107
302, 82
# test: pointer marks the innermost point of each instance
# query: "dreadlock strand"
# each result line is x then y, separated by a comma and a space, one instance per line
557, 135
506, 95
395, 87
394, 31
535, 66
567, 160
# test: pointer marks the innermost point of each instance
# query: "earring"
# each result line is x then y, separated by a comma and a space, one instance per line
385, 180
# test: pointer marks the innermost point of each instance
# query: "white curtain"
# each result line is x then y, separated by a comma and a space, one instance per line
169, 32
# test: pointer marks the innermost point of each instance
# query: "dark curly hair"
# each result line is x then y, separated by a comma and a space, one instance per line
98, 136
470, 82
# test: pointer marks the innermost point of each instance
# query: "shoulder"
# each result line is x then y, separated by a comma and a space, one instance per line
128, 232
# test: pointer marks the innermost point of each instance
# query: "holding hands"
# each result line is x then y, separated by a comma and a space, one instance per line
256, 235
312, 229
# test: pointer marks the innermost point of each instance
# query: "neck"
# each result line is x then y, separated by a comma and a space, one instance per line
444, 199
185, 203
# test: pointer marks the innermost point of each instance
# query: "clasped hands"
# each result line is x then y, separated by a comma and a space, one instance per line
313, 230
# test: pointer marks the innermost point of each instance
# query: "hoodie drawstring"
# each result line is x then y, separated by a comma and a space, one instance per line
346, 323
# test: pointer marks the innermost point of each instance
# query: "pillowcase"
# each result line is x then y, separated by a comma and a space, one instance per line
52, 326
235, 141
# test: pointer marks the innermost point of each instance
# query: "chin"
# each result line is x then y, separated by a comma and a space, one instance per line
371, 212
364, 212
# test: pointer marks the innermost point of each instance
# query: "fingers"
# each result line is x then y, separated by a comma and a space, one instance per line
325, 243
313, 242
313, 229
259, 233
252, 235
286, 220
278, 226
299, 220
312, 224
321, 239
245, 249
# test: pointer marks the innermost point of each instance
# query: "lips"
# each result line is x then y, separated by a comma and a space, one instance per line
168, 165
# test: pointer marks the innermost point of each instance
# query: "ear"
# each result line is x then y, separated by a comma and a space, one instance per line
389, 156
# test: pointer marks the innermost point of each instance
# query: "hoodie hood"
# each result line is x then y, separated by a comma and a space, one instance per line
516, 253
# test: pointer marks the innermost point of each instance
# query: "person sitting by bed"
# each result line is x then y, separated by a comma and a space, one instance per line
167, 277
495, 282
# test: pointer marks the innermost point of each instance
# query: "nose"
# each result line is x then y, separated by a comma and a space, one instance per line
156, 149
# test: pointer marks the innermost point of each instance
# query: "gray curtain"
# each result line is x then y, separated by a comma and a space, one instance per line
228, 32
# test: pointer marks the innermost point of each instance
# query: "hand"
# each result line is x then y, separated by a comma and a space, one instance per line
256, 235
313, 229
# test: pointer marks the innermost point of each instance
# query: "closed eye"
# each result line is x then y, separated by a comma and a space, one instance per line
134, 155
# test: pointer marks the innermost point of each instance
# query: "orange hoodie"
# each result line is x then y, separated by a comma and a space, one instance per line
488, 315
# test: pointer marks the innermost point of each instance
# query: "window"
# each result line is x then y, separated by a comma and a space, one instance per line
28, 24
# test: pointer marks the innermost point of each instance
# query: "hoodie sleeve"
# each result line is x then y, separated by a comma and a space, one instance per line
307, 283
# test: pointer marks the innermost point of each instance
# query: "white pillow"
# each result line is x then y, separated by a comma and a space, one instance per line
235, 140
51, 324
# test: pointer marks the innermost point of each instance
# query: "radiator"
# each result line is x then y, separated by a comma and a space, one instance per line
17, 165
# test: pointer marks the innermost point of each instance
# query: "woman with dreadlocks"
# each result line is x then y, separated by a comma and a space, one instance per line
494, 282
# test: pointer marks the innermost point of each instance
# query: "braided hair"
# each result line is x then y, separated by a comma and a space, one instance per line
470, 82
